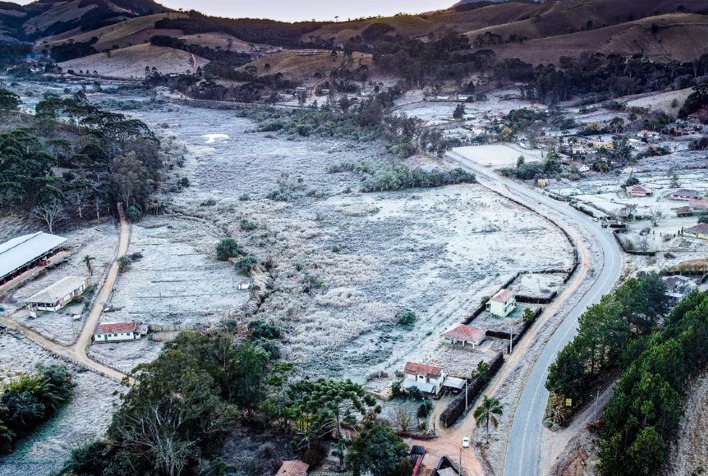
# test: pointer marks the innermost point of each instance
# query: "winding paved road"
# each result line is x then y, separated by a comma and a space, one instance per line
523, 450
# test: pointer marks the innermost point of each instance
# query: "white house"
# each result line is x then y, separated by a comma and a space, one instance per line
502, 303
648, 134
465, 335
58, 294
427, 378
119, 332
685, 194
244, 285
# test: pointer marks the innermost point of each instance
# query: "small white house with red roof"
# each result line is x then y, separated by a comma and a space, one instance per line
502, 303
427, 378
466, 335
119, 332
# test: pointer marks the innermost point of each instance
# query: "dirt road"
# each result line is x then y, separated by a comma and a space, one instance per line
78, 352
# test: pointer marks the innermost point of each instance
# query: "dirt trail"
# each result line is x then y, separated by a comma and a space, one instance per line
78, 352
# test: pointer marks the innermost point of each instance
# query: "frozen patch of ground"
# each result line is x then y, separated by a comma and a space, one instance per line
177, 281
498, 156
690, 454
538, 285
81, 421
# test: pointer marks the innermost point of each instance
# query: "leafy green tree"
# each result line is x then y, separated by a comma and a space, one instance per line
377, 450
227, 248
9, 101
487, 413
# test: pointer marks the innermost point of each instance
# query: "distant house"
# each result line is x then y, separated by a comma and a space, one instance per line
293, 468
683, 212
678, 287
698, 231
119, 332
427, 378
542, 183
58, 294
244, 285
685, 194
582, 168
301, 91
464, 97
648, 135
465, 335
638, 191
502, 303
698, 205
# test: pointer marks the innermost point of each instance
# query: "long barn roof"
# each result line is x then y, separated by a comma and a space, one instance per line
19, 251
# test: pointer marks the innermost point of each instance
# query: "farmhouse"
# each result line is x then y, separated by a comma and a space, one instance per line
427, 378
465, 335
58, 294
698, 205
685, 194
119, 332
648, 134
638, 191
698, 231
683, 212
25, 252
502, 303
678, 287
293, 468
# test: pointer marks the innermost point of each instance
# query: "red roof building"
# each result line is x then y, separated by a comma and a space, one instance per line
430, 371
466, 335
293, 468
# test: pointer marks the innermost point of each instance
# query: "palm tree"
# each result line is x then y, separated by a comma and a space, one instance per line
486, 413
87, 260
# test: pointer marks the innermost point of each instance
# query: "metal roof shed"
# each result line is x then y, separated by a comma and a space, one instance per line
24, 250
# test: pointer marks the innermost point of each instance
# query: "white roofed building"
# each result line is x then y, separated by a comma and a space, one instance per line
25, 252
58, 294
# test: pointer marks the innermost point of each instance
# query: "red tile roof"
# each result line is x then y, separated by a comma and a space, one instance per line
423, 369
698, 203
701, 228
466, 333
117, 328
503, 295
293, 468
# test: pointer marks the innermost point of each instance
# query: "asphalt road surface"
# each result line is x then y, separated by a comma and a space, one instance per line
524, 448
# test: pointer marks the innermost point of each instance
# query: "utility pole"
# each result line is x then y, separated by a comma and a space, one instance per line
511, 338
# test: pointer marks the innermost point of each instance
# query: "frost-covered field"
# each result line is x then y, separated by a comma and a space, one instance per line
82, 420
347, 262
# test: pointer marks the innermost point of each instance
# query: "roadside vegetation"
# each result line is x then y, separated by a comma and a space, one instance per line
657, 354
30, 401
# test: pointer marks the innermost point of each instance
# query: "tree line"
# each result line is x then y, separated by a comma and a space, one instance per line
608, 336
180, 408
105, 156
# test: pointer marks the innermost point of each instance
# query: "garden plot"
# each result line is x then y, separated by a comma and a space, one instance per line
98, 242
82, 420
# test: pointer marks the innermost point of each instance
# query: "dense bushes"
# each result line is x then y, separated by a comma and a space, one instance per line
405, 178
30, 401
642, 418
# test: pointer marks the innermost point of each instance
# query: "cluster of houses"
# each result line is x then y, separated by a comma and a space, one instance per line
433, 380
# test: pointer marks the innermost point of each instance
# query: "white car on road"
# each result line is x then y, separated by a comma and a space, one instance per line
466, 442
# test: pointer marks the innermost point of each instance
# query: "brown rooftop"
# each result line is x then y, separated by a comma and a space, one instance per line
423, 369
117, 328
293, 468
503, 295
466, 333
